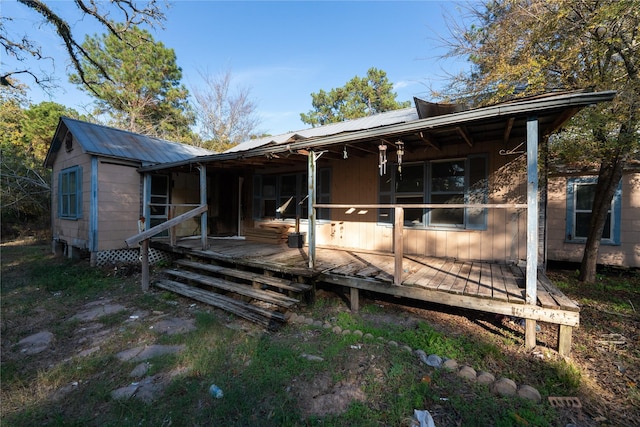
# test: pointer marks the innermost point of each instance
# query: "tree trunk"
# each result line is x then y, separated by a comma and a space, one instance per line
608, 178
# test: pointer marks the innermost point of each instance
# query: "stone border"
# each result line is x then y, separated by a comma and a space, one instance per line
503, 387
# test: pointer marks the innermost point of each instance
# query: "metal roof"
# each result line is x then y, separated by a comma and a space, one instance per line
120, 144
370, 122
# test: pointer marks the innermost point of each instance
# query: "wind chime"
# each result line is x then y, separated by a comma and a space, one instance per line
400, 153
382, 161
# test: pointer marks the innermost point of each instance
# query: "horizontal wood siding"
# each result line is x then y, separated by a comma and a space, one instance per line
355, 181
74, 232
627, 254
118, 204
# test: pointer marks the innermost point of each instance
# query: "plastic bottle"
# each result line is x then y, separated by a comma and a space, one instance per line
215, 391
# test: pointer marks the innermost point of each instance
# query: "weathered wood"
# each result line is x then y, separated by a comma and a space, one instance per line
247, 275
529, 333
527, 311
239, 308
451, 277
497, 280
144, 258
565, 337
355, 299
461, 281
485, 286
398, 245
147, 234
237, 288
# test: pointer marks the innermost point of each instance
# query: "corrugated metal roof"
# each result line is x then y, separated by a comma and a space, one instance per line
370, 122
117, 143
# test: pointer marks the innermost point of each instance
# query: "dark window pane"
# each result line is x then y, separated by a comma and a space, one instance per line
447, 176
411, 180
584, 196
447, 216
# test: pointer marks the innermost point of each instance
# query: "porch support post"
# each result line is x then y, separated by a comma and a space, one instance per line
532, 226
311, 201
398, 245
203, 202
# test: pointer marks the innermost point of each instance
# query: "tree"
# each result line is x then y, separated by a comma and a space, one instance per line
226, 118
24, 46
359, 97
136, 82
25, 134
524, 47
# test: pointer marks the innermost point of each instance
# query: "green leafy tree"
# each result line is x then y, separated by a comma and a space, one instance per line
359, 97
523, 47
136, 82
25, 134
20, 46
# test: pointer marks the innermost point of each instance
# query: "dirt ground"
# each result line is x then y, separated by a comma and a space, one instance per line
606, 350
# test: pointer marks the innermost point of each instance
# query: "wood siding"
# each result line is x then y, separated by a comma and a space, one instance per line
355, 180
74, 232
627, 254
118, 204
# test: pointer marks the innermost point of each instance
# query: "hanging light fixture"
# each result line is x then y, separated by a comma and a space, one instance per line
382, 161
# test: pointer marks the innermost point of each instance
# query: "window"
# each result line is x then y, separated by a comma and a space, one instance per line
580, 195
70, 193
456, 181
285, 196
159, 198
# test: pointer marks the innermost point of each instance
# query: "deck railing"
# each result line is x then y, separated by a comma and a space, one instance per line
398, 225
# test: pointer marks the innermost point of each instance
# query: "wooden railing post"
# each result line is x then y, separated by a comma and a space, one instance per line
144, 255
398, 245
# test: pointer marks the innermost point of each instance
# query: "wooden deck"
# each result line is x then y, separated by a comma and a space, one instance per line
487, 287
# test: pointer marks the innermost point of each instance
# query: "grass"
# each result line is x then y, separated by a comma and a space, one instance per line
260, 373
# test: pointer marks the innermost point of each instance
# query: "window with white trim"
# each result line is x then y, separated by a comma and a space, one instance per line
70, 193
580, 195
453, 181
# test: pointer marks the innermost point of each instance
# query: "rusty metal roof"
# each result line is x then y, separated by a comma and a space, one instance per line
120, 144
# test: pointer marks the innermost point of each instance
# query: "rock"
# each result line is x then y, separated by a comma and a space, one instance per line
434, 361
346, 332
450, 364
486, 378
529, 393
36, 343
406, 348
392, 344
308, 321
504, 387
95, 310
140, 370
337, 329
174, 325
143, 353
317, 323
357, 332
468, 373
312, 357
327, 325
368, 336
421, 355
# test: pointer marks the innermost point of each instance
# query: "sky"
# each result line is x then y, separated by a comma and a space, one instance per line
282, 52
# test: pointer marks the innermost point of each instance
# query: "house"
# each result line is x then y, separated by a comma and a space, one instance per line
434, 203
97, 192
569, 197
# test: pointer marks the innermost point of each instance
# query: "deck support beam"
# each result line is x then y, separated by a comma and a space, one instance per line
532, 226
203, 202
311, 201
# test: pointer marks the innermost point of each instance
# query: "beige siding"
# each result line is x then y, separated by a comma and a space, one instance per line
626, 254
73, 232
355, 181
119, 191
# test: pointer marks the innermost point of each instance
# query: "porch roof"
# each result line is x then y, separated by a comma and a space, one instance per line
503, 123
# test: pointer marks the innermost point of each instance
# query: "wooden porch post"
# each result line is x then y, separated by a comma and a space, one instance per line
398, 245
311, 201
532, 226
144, 258
203, 201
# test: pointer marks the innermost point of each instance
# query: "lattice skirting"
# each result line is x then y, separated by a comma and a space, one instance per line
130, 256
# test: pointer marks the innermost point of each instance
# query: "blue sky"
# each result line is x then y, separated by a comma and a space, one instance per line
282, 51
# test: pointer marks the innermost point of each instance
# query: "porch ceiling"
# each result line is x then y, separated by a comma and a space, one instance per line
504, 125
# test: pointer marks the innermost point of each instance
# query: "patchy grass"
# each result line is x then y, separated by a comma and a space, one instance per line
266, 378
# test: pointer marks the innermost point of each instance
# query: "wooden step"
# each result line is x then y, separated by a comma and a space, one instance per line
247, 275
270, 319
238, 288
